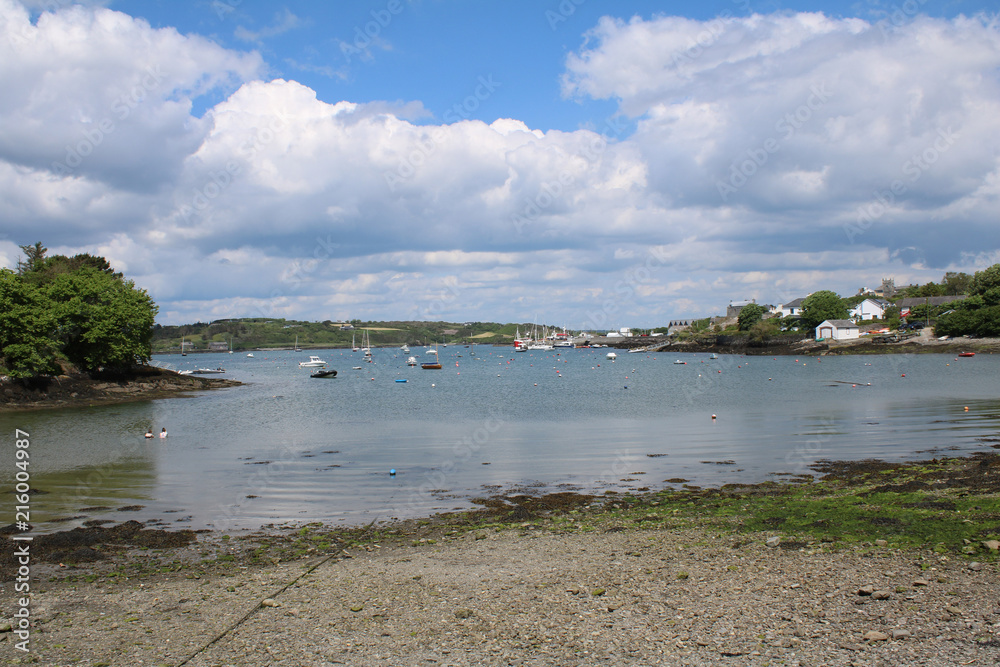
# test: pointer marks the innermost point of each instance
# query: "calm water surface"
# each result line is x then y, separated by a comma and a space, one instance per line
288, 448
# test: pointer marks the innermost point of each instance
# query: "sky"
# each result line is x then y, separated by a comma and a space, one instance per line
578, 163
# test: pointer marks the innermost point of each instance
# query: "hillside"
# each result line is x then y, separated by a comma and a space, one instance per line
260, 333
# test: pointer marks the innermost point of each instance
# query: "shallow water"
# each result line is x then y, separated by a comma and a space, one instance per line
288, 448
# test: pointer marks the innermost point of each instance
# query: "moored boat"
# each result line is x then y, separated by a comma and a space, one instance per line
314, 362
324, 374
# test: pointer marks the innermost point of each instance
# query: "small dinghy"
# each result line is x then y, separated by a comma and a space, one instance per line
324, 374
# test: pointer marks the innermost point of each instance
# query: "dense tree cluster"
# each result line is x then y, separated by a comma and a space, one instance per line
77, 309
979, 314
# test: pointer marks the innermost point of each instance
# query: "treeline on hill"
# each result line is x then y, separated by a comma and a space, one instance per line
977, 314
71, 309
260, 332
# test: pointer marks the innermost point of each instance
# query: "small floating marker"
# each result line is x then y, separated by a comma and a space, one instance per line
966, 408
392, 473
536, 384
768, 379
854, 385
433, 385
713, 416
903, 375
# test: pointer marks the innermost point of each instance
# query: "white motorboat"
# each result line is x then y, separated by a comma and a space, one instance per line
612, 356
205, 371
314, 362
679, 362
412, 361
250, 354
405, 349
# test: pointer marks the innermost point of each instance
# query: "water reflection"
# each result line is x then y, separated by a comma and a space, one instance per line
285, 447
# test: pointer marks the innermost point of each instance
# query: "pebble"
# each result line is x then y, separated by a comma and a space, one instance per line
773, 541
866, 590
875, 636
975, 567
921, 582
992, 545
881, 595
901, 634
270, 602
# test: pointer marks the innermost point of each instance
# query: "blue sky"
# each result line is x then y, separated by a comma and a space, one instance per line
583, 163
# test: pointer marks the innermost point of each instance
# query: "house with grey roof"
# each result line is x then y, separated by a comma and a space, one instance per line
793, 307
837, 330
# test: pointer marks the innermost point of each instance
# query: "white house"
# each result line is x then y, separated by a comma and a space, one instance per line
838, 330
791, 308
870, 309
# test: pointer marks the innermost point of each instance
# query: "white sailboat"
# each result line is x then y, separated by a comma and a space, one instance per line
354, 346
366, 346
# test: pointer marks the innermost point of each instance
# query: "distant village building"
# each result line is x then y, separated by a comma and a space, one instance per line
791, 309
734, 307
218, 346
838, 330
870, 309
678, 325
905, 305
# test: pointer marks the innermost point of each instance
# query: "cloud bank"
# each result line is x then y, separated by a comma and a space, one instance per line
771, 156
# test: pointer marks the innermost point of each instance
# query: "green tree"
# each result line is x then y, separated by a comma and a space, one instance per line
750, 314
822, 305
985, 280
103, 322
956, 283
34, 255
25, 346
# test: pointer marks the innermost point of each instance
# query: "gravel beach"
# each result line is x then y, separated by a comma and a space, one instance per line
528, 595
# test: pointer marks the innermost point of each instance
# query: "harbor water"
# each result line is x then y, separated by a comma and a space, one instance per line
286, 448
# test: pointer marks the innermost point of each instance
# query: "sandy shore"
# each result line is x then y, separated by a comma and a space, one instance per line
678, 578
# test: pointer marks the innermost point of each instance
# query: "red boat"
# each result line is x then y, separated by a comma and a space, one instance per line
966, 354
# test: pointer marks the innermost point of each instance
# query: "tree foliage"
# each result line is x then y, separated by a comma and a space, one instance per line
25, 324
78, 308
750, 314
979, 314
822, 305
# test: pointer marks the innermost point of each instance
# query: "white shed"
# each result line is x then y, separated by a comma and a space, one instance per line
838, 330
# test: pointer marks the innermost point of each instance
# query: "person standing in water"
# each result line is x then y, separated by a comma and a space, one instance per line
163, 433
149, 433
